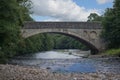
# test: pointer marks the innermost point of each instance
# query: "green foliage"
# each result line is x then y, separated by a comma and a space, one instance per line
12, 15
94, 17
66, 42
44, 42
111, 23
113, 52
9, 30
36, 43
2, 57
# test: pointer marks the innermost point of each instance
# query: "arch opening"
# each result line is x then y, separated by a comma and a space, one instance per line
93, 49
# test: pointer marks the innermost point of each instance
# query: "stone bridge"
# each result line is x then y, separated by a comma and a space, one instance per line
86, 32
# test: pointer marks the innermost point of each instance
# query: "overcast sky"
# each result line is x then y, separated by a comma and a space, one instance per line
67, 10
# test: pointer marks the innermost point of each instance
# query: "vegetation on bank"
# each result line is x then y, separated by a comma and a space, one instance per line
12, 15
111, 23
111, 29
112, 52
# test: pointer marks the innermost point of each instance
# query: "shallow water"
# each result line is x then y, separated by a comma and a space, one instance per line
54, 55
57, 61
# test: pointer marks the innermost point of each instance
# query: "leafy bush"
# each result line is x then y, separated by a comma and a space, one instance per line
2, 58
113, 52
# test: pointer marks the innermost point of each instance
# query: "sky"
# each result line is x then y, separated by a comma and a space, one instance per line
67, 10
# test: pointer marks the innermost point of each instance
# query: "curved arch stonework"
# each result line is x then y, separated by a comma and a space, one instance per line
86, 32
93, 35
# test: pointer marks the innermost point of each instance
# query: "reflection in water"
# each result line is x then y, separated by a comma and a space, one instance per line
82, 67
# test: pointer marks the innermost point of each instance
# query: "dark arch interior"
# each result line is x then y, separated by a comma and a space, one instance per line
93, 49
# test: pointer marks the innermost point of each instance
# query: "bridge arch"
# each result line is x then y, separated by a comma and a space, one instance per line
73, 35
86, 32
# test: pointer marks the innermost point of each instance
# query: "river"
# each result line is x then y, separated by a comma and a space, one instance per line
68, 61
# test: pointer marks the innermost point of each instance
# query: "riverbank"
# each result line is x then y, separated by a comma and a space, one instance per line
15, 72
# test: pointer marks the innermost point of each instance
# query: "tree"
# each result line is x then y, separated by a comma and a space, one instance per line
94, 17
111, 23
66, 42
12, 15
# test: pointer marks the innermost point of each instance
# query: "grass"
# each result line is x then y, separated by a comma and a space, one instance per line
113, 52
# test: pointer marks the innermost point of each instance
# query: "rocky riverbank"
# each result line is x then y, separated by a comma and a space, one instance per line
15, 72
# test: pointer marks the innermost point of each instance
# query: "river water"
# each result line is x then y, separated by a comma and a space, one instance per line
68, 61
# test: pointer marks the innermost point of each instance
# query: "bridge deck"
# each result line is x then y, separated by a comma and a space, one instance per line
63, 25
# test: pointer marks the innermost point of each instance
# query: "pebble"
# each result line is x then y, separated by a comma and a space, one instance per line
15, 72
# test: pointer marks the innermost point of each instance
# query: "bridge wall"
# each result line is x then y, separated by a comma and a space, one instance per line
87, 33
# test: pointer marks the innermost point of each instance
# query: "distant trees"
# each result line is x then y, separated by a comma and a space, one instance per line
94, 17
66, 42
45, 42
36, 43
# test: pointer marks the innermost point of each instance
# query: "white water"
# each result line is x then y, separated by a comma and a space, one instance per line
54, 55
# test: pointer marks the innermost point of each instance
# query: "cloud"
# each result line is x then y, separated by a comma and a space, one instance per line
61, 10
104, 1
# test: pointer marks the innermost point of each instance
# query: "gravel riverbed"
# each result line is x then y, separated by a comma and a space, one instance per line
15, 72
